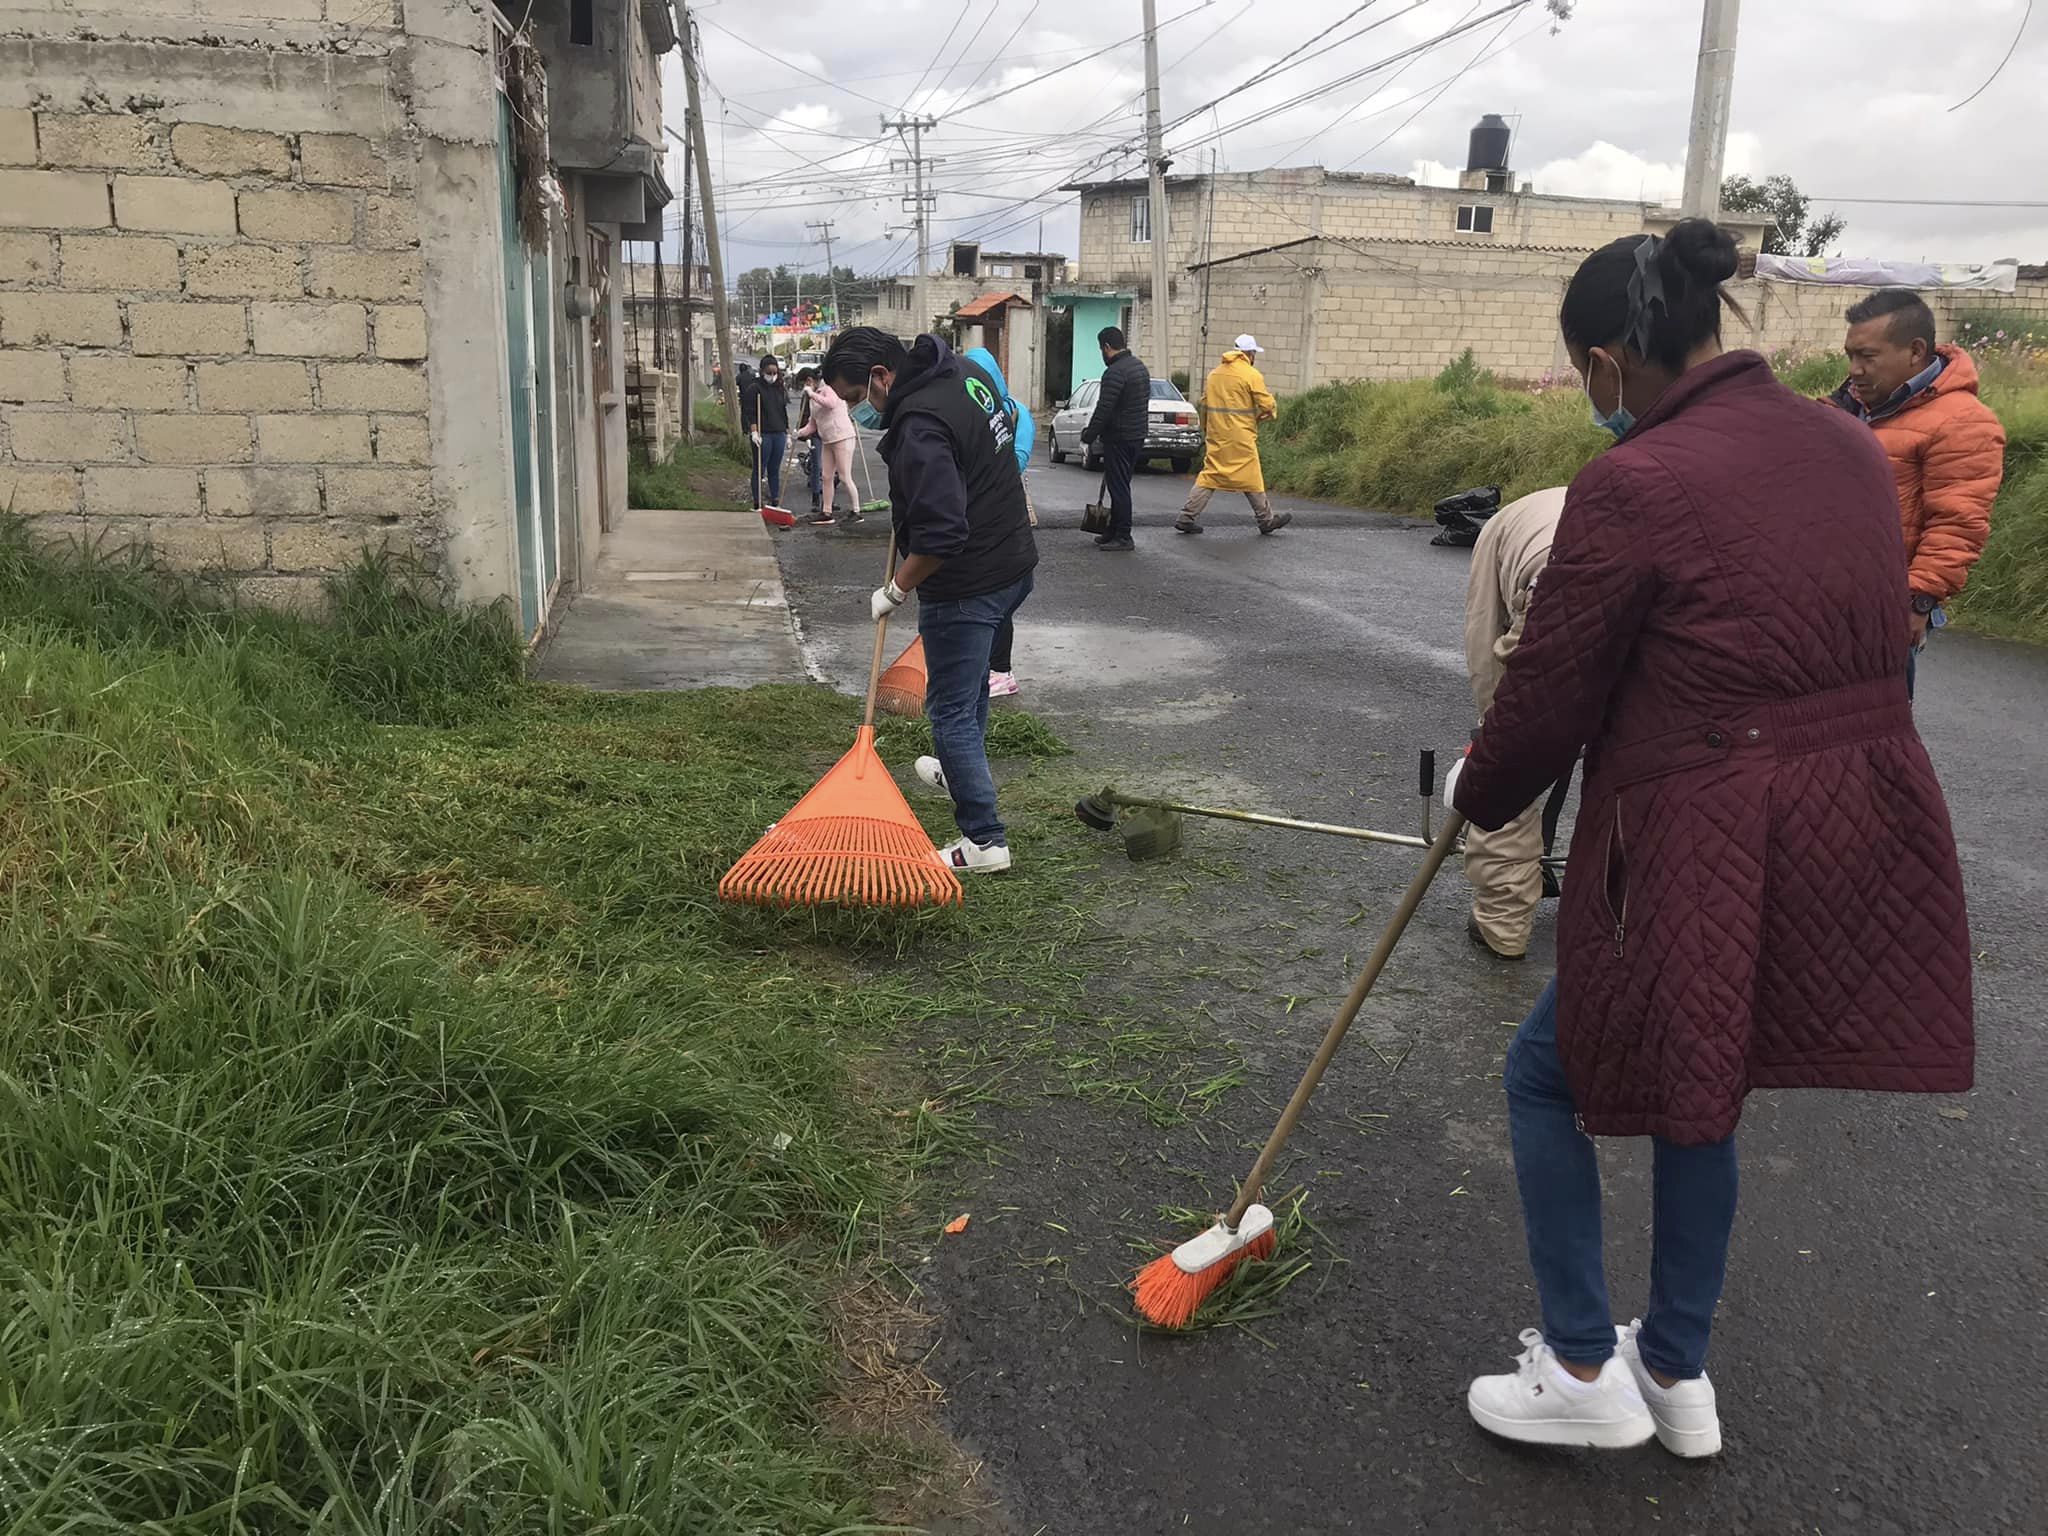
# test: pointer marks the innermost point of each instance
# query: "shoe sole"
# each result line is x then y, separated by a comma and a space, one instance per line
1187, 527
1691, 1444
1599, 1434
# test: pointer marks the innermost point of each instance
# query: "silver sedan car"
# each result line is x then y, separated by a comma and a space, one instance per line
1173, 428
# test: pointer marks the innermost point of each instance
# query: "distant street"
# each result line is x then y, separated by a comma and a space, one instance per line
1880, 1346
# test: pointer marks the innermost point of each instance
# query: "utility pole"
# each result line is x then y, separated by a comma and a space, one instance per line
920, 203
1712, 90
689, 364
1160, 344
721, 313
824, 229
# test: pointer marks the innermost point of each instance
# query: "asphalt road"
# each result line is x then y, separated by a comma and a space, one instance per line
1880, 1350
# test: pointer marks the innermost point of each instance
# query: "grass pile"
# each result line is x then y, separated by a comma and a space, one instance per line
1402, 446
397, 1134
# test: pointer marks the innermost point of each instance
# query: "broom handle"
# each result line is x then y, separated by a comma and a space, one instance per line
1439, 850
867, 720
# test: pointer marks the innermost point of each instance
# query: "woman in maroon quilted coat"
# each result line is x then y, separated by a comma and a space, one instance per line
1763, 886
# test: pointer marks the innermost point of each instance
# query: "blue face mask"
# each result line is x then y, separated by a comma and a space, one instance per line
1619, 421
865, 415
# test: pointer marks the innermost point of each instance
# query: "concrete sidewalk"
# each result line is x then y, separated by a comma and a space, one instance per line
680, 600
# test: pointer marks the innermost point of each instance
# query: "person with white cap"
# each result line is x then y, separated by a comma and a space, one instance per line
1234, 401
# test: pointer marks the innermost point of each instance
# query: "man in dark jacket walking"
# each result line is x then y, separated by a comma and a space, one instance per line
1122, 413
963, 531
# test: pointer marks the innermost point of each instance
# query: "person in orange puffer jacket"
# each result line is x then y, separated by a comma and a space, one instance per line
1946, 446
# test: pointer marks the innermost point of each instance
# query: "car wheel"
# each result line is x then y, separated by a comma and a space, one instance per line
1182, 466
1059, 454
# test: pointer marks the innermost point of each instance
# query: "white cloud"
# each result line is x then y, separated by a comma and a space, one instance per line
1848, 97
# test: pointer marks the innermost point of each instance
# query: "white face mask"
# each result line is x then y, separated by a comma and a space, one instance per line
1621, 418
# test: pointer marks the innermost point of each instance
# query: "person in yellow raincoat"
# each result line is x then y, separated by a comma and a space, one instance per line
1234, 401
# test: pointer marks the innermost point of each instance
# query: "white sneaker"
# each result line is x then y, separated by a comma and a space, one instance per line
1687, 1422
932, 775
1002, 685
967, 857
1542, 1403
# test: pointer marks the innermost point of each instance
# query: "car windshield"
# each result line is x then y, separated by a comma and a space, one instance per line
1163, 389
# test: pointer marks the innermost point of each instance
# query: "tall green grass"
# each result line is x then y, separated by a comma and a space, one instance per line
1402, 446
395, 1134
700, 476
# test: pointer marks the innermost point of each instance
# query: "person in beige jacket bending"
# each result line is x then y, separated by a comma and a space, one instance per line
1505, 868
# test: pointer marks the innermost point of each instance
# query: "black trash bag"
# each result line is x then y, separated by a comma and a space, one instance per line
1463, 515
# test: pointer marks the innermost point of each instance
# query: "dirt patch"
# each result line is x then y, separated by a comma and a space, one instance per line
885, 1397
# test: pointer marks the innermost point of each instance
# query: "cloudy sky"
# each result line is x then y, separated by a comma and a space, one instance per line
1851, 98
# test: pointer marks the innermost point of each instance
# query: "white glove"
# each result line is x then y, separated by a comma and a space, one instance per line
887, 599
756, 436
1451, 782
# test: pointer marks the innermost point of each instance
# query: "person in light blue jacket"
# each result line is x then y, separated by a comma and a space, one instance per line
1002, 681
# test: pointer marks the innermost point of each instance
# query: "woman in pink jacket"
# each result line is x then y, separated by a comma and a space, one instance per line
832, 425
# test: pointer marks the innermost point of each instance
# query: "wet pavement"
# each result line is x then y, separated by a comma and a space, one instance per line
1880, 1347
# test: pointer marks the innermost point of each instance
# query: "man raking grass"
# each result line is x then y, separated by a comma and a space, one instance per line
956, 503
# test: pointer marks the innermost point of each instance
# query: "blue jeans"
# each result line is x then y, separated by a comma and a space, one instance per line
1119, 462
770, 463
958, 636
1693, 1208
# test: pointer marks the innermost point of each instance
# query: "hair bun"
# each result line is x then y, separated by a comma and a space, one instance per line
1702, 250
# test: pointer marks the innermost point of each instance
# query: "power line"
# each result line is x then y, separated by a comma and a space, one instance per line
1351, 110
1928, 202
1037, 79
1470, 65
1283, 64
2025, 16
965, 6
992, 58
988, 14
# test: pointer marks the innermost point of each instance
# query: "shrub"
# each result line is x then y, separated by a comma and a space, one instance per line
1403, 446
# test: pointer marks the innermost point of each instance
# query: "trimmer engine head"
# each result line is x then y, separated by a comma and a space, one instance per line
1097, 811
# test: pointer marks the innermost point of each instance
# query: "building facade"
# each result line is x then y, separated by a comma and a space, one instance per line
282, 280
1347, 275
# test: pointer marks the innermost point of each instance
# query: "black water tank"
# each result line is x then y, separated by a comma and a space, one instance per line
1489, 151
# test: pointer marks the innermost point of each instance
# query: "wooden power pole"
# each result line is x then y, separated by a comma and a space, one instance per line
721, 313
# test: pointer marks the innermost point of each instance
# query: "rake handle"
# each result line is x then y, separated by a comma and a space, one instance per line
1418, 887
867, 720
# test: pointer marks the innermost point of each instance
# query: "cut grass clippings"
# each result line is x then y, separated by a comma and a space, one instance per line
399, 1136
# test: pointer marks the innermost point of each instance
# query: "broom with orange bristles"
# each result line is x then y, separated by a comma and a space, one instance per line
853, 839
1171, 1289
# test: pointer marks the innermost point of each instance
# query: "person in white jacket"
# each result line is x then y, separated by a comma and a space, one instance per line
1505, 868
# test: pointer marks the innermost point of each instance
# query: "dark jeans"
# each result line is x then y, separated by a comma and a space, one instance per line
816, 463
1119, 462
770, 464
958, 638
999, 653
1693, 1207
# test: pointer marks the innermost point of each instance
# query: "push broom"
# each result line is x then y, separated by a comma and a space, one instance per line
1171, 1289
852, 840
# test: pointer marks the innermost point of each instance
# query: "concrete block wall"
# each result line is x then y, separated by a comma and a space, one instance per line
1403, 311
215, 292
